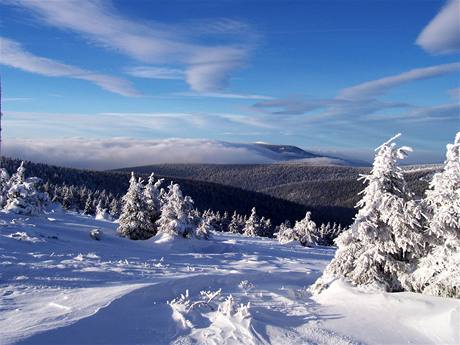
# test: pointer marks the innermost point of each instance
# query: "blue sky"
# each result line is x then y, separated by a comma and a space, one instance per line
327, 75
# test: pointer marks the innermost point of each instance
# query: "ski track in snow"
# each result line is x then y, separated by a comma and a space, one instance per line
59, 286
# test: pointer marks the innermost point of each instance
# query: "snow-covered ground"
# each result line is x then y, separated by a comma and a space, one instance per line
60, 286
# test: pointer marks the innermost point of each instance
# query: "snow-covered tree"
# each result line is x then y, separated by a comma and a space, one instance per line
306, 232
101, 212
327, 233
23, 197
152, 198
134, 221
204, 229
224, 222
265, 227
438, 273
235, 224
252, 225
114, 208
385, 238
67, 198
285, 233
176, 217
4, 186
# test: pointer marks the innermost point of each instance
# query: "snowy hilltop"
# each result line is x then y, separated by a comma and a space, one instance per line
161, 271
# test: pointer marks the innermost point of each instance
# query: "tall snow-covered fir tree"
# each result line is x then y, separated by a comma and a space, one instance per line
439, 272
23, 196
152, 198
134, 221
235, 224
252, 226
381, 246
177, 217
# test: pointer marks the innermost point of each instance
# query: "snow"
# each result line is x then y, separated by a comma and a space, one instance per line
60, 286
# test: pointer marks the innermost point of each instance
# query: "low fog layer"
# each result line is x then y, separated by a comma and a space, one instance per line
102, 154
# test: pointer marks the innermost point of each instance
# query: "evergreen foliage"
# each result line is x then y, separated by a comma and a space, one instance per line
438, 273
134, 221
382, 244
23, 196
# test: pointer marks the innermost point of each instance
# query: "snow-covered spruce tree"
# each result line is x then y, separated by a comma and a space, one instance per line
176, 217
152, 198
204, 228
224, 222
23, 197
252, 225
234, 226
4, 186
89, 205
305, 231
114, 208
134, 222
385, 239
438, 273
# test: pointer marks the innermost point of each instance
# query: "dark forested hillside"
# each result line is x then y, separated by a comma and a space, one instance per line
207, 195
303, 184
278, 191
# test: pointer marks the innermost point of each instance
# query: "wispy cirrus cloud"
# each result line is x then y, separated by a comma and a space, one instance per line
12, 54
442, 34
228, 95
361, 102
441, 112
207, 67
380, 86
152, 72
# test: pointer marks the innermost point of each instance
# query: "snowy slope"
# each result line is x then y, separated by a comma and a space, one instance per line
59, 286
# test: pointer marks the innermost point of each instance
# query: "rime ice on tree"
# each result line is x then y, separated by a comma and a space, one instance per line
385, 238
176, 214
439, 272
134, 221
23, 196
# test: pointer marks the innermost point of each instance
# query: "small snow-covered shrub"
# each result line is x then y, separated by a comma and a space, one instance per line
96, 234
102, 213
230, 308
285, 233
24, 236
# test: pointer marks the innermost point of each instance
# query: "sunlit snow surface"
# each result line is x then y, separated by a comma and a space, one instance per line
59, 286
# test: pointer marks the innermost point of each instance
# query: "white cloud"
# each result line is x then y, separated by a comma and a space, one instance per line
455, 94
151, 72
379, 86
13, 55
125, 152
442, 34
16, 99
223, 95
207, 67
